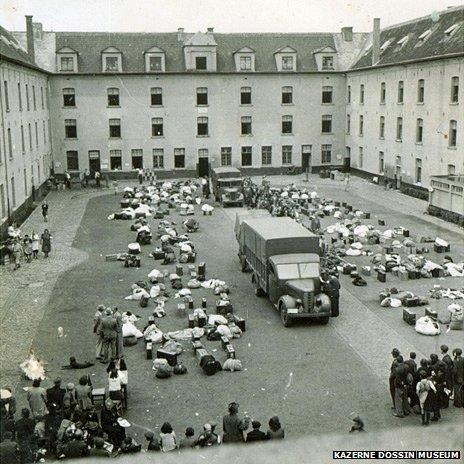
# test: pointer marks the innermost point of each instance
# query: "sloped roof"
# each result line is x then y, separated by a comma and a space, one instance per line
11, 49
133, 45
201, 39
437, 44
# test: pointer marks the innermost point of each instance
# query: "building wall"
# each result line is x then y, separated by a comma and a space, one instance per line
436, 113
179, 113
22, 170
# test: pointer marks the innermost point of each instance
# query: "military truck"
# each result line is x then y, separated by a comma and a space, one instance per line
284, 260
227, 186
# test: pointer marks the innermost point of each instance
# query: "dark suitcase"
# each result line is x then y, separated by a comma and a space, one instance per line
381, 276
431, 313
230, 350
179, 270
143, 302
240, 323
158, 254
409, 316
149, 350
191, 321
381, 222
201, 321
201, 271
170, 357
224, 342
411, 302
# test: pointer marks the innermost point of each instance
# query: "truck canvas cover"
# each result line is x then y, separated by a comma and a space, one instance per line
227, 172
247, 216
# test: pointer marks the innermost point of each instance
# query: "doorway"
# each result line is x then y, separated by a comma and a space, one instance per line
94, 162
203, 163
306, 162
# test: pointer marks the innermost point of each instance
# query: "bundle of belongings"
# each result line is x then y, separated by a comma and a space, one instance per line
131, 261
394, 298
426, 325
438, 292
191, 225
454, 317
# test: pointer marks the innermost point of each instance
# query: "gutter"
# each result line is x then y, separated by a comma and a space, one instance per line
24, 64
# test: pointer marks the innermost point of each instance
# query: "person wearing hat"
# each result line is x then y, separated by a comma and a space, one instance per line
55, 394
98, 450
76, 447
395, 353
207, 437
331, 287
458, 378
446, 359
256, 434
232, 426
108, 331
153, 442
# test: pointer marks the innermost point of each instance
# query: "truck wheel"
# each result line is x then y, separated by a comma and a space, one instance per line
286, 319
324, 320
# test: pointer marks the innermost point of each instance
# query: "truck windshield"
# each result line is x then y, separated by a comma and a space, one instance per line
230, 183
298, 271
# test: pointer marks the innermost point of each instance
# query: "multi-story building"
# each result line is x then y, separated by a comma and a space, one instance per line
387, 103
25, 140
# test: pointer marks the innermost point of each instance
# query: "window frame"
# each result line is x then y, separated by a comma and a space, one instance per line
137, 155
266, 155
419, 131
179, 154
202, 96
453, 134
245, 94
287, 155
112, 125
326, 148
246, 151
399, 129
226, 156
287, 95
157, 124
202, 126
326, 124
156, 96
454, 95
74, 167
201, 68
69, 97
287, 124
113, 97
115, 155
421, 91
246, 127
158, 158
399, 100
67, 124
327, 90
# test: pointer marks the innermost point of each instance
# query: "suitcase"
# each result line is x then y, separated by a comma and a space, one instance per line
125, 204
412, 275
381, 276
438, 272
431, 313
202, 321
203, 303
181, 310
191, 321
440, 248
367, 215
366, 271
224, 307
190, 303
201, 271
381, 222
411, 302
170, 357
112, 257
197, 345
403, 274
240, 323
200, 353
224, 342
405, 233
149, 350
409, 316
143, 301
230, 350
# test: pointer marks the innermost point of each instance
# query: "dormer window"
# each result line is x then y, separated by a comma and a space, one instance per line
385, 45
154, 60
111, 60
66, 60
423, 37
402, 42
326, 59
327, 62
67, 63
244, 59
287, 63
200, 52
285, 59
245, 63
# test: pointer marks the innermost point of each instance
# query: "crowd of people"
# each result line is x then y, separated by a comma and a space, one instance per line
427, 388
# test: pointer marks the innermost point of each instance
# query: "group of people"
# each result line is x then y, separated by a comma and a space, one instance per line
64, 423
84, 178
426, 388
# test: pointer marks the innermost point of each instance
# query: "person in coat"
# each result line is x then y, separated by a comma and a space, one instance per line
275, 430
232, 426
331, 287
56, 394
446, 359
9, 450
108, 331
46, 241
37, 399
423, 388
100, 313
119, 338
84, 394
458, 378
45, 210
256, 434
25, 436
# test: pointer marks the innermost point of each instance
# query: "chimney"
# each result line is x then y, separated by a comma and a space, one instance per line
347, 34
376, 42
30, 38
210, 30
180, 34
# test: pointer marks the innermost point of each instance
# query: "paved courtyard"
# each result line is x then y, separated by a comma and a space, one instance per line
311, 376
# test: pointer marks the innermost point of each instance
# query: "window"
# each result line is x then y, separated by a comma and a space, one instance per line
327, 62
10, 144
306, 149
179, 158
155, 63
203, 153
360, 157
287, 63
113, 96
13, 191
245, 63
23, 144
245, 96
287, 95
455, 89
287, 124
420, 91
111, 63
20, 100
28, 106
361, 125
348, 123
348, 94
156, 94
137, 158
326, 153
327, 94
115, 128
381, 162
451, 169
69, 97
202, 96
29, 130
226, 156
418, 170
326, 123
158, 158
399, 129
34, 102
247, 156
286, 154
66, 63
266, 155
400, 91
453, 133
382, 127
246, 125
419, 130
115, 160
42, 97
361, 94
72, 160
157, 127
202, 126
36, 135
44, 133
383, 92
7, 100
200, 63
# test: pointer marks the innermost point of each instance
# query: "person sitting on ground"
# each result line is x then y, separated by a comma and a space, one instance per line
99, 451
153, 443
208, 437
73, 364
256, 434
358, 425
275, 430
168, 439
130, 446
77, 447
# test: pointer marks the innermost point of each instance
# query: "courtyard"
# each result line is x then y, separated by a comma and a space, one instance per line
312, 376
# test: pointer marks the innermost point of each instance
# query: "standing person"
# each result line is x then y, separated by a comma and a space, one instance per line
9, 450
331, 287
96, 328
37, 399
97, 177
458, 377
17, 253
82, 178
84, 394
205, 187
55, 395
27, 248
119, 338
232, 426
446, 359
114, 385
140, 175
25, 435
45, 210
275, 430
35, 239
347, 182
67, 179
395, 353
315, 224
401, 399
123, 375
46, 240
168, 438
423, 388
108, 332
86, 177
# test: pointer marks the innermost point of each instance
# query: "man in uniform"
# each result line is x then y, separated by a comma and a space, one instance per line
331, 287
108, 332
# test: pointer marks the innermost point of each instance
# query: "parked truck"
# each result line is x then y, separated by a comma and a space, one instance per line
227, 186
284, 260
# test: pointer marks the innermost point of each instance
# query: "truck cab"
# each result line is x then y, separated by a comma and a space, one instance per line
295, 289
228, 186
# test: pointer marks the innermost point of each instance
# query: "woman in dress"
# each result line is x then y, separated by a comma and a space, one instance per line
114, 385
123, 375
46, 240
168, 441
423, 389
275, 430
84, 394
35, 242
